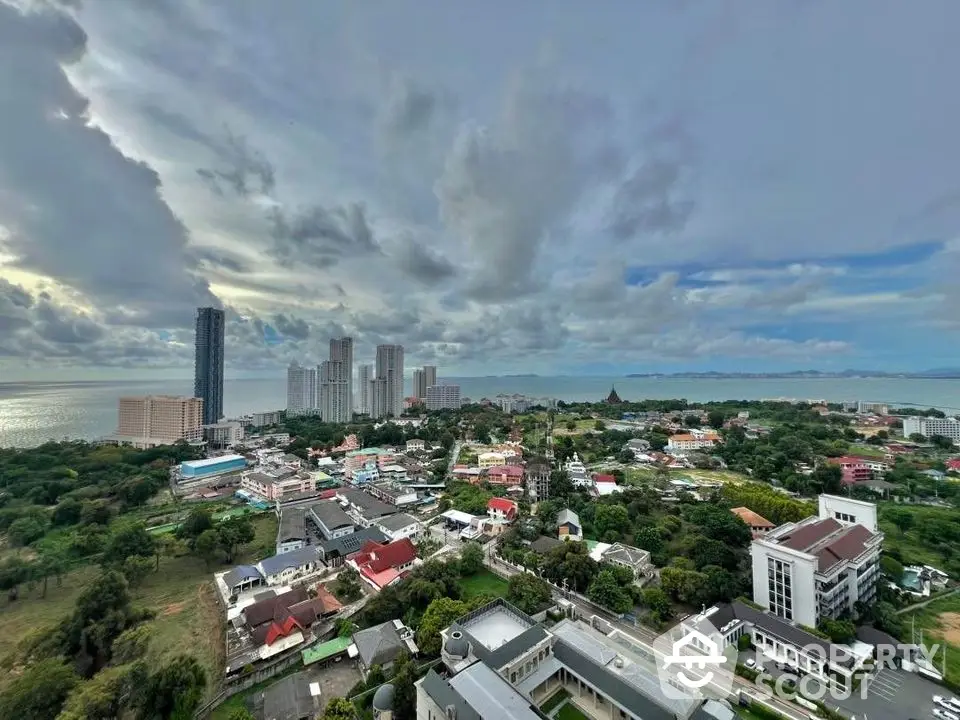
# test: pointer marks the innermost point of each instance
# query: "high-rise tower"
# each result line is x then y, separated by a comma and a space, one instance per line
208, 363
390, 380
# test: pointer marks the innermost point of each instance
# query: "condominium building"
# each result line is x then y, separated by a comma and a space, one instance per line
443, 397
341, 351
208, 362
153, 420
225, 434
388, 394
335, 403
819, 567
929, 426
302, 396
364, 377
423, 378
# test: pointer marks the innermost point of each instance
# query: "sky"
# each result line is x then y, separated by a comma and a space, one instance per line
501, 187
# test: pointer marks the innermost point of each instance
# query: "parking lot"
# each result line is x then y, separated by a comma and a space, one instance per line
891, 694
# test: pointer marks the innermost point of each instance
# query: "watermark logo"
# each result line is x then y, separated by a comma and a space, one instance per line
693, 665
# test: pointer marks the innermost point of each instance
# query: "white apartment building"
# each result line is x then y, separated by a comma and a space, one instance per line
928, 426
423, 378
341, 351
693, 440
302, 393
153, 420
388, 384
364, 378
224, 434
819, 567
335, 404
443, 397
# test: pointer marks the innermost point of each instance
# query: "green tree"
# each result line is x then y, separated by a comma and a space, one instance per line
207, 546
605, 590
528, 592
174, 692
658, 603
14, 571
471, 558
891, 567
131, 644
902, 519
128, 540
107, 695
840, 631
241, 713
136, 568
39, 693
610, 521
404, 690
339, 709
648, 538
438, 616
234, 533
25, 530
716, 418
67, 512
196, 523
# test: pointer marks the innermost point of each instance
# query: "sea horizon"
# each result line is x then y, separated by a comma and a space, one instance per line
34, 412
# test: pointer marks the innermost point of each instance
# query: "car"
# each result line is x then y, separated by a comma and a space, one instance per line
944, 714
951, 704
750, 663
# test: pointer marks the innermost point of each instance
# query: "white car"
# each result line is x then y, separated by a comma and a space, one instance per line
944, 714
951, 704
750, 663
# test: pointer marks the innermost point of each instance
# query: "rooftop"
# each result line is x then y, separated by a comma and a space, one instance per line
495, 625
331, 514
397, 522
751, 518
490, 695
207, 462
829, 540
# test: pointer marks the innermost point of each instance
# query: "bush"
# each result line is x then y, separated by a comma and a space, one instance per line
743, 643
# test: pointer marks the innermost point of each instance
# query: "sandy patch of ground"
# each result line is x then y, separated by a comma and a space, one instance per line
173, 608
950, 625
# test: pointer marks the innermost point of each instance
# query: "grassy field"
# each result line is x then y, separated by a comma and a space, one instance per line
644, 474
570, 712
912, 548
189, 618
940, 623
484, 583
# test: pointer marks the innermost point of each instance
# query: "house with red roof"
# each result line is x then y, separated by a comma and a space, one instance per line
381, 564
503, 475
502, 509
602, 478
757, 523
953, 464
282, 621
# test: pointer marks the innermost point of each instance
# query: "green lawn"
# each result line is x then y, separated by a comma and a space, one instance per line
570, 712
189, 618
558, 698
940, 623
483, 583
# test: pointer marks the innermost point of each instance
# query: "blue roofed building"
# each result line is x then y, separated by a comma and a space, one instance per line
194, 469
287, 567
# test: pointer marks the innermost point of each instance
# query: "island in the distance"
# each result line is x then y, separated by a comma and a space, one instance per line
938, 373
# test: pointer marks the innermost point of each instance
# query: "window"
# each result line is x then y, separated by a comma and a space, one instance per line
779, 588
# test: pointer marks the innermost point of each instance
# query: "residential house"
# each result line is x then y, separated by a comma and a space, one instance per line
416, 445
853, 469
503, 475
276, 484
568, 525
286, 567
279, 622
544, 544
334, 552
502, 510
463, 472
490, 459
693, 440
400, 526
330, 520
383, 564
758, 524
381, 645
357, 460
630, 557
393, 473
243, 578
637, 446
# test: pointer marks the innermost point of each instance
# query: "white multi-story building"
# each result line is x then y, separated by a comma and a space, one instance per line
341, 351
443, 397
224, 434
929, 426
878, 408
819, 567
364, 378
301, 389
423, 378
388, 386
153, 420
335, 405
693, 440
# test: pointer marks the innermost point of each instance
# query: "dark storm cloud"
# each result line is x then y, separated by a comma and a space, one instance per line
245, 170
647, 201
81, 212
218, 257
423, 264
320, 236
410, 108
291, 327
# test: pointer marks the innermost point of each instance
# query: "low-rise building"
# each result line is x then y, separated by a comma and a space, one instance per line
285, 568
292, 530
334, 552
211, 467
635, 559
401, 526
503, 475
502, 510
276, 484
330, 520
490, 459
568, 525
758, 524
364, 508
383, 564
693, 440
356, 460
382, 644
416, 445
222, 435
397, 495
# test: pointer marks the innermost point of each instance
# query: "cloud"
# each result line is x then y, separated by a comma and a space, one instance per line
320, 236
245, 171
76, 208
422, 263
290, 327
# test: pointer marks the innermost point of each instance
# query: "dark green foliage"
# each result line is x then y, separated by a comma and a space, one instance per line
39, 693
174, 692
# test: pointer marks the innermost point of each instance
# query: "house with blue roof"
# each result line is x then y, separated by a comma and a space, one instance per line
287, 567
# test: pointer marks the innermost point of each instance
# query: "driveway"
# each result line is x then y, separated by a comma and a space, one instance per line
893, 694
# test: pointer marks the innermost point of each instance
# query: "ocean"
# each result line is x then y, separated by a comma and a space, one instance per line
32, 413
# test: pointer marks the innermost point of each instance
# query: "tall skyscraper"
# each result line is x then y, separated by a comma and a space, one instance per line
390, 371
335, 405
364, 378
301, 389
341, 350
422, 379
208, 364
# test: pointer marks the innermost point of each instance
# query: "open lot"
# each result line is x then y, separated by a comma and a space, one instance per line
940, 623
892, 695
484, 583
181, 593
